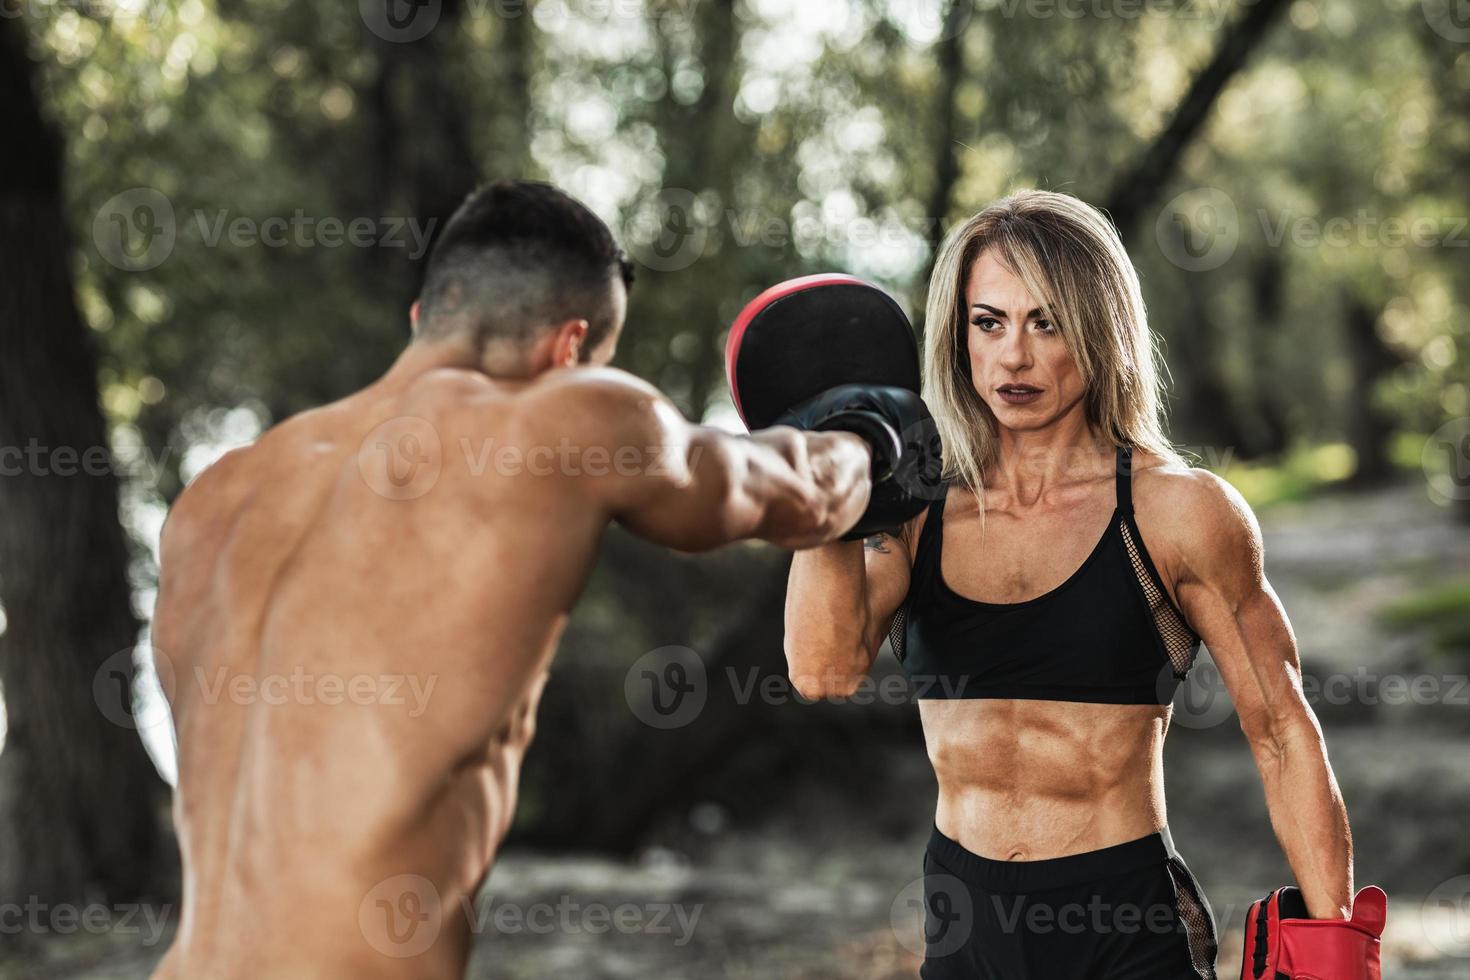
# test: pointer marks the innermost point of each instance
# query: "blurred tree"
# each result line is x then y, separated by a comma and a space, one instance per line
1369, 424
1447, 175
691, 267
1271, 435
81, 807
1355, 266
694, 271
1209, 411
950, 60
1141, 185
632, 775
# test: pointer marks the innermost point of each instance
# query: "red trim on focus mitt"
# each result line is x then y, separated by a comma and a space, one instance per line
1281, 941
759, 304
808, 335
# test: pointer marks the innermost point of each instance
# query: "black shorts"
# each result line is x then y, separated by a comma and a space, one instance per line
1129, 912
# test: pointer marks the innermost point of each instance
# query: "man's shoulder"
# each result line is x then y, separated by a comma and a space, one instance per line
214, 490
597, 403
594, 387
581, 394
237, 469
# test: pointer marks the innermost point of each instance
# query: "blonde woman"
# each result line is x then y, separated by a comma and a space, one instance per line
1046, 606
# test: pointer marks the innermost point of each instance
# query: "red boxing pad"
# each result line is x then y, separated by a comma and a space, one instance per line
1281, 941
800, 338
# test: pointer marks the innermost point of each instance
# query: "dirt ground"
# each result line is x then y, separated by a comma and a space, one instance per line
825, 888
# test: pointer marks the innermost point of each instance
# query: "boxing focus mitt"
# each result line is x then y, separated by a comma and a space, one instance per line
1283, 943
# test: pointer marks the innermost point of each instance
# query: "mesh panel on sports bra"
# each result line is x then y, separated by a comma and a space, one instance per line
1179, 639
896, 631
1198, 924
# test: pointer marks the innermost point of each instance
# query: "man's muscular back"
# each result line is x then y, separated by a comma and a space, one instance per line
359, 611
351, 640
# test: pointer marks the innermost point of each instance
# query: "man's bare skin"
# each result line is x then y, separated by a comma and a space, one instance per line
391, 535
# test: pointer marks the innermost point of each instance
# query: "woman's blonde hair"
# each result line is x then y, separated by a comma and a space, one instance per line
1072, 261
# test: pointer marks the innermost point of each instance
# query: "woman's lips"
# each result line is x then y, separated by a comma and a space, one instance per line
1018, 394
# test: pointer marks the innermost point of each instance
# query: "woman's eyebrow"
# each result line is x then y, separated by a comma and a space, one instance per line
1035, 314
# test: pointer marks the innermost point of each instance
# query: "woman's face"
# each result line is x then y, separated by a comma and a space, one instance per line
1018, 363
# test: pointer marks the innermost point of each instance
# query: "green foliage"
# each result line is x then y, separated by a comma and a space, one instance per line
1443, 611
1303, 471
792, 139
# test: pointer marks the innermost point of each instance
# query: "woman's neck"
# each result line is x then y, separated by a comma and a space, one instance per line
1031, 462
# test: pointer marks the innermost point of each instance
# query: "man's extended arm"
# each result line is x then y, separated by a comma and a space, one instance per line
694, 488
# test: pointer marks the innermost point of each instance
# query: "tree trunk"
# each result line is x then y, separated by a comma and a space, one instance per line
1369, 426
745, 747
81, 807
426, 161
1141, 185
1452, 175
515, 55
1212, 418
1268, 291
950, 55
632, 776
712, 163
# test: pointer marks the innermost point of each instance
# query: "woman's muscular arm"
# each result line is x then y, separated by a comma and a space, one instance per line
1215, 550
840, 600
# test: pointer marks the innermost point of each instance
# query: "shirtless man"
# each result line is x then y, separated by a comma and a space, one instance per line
430, 534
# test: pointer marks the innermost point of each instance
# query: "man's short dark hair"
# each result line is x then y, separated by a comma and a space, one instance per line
516, 258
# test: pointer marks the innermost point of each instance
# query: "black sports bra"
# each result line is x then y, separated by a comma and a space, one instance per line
1109, 634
